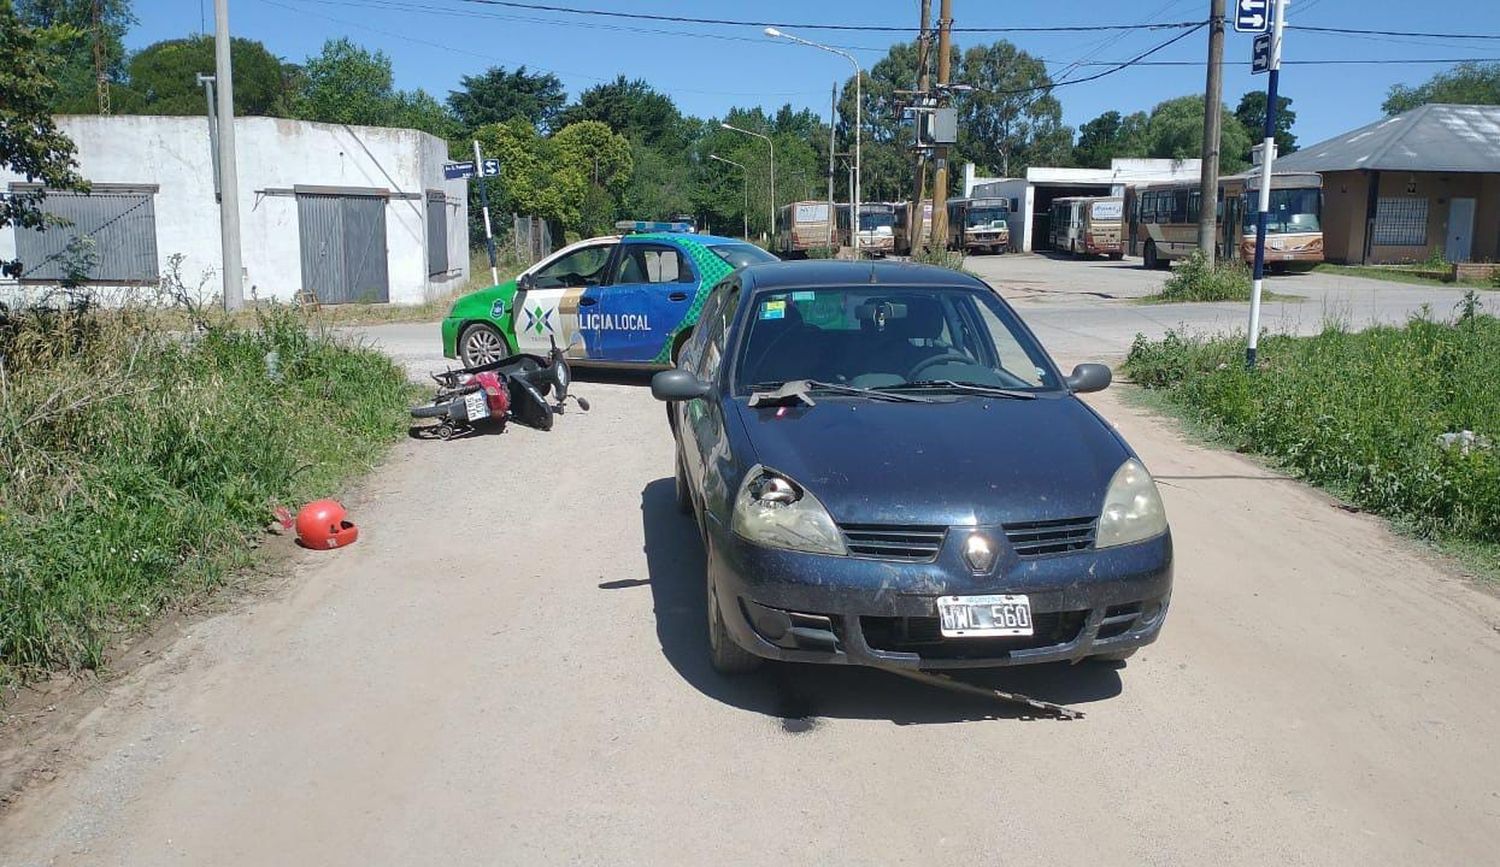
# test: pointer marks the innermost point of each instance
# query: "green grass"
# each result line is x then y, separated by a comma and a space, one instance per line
1359, 414
137, 465
1418, 275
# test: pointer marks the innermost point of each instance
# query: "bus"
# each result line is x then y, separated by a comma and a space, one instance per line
1164, 219
803, 226
903, 226
1088, 225
976, 225
877, 227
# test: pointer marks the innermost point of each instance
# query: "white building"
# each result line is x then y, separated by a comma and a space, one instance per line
349, 213
1031, 197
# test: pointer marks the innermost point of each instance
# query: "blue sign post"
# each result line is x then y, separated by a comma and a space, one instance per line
1268, 158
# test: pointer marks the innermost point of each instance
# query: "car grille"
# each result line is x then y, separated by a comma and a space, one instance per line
923, 636
1038, 538
907, 543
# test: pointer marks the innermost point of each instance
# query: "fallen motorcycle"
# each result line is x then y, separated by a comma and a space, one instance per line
528, 388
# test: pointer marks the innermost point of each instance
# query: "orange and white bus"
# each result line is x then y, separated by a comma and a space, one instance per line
1163, 219
1088, 226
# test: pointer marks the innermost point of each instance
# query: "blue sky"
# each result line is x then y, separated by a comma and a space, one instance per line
707, 69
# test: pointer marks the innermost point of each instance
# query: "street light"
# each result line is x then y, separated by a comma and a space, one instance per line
746, 212
858, 122
771, 231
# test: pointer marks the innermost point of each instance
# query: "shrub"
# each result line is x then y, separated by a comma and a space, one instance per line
136, 465
1195, 280
940, 257
1360, 413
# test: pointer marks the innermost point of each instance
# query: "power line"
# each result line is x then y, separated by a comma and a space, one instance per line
1111, 71
1348, 31
866, 28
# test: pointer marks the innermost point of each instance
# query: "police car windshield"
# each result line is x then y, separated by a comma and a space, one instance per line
740, 255
889, 337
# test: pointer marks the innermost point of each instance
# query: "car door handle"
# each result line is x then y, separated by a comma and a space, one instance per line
586, 301
677, 296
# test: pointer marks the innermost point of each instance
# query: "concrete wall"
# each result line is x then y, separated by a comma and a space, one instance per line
1346, 198
274, 156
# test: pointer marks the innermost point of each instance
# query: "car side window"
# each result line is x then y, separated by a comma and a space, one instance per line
582, 267
718, 327
692, 351
649, 263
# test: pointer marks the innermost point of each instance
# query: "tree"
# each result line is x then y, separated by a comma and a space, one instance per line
591, 169
1175, 131
30, 143
497, 96
1010, 120
634, 110
1108, 136
349, 84
162, 78
1252, 115
71, 46
1464, 84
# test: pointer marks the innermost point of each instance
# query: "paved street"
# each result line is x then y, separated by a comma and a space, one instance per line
509, 667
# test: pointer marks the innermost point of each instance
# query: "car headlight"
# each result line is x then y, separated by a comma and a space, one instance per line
771, 509
1132, 508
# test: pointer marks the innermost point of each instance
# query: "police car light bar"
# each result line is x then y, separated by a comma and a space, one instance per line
650, 226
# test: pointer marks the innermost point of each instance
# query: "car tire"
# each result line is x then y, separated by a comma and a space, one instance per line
1149, 260
1117, 656
684, 497
481, 343
724, 654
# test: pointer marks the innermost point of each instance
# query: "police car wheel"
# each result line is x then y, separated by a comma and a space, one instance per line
481, 344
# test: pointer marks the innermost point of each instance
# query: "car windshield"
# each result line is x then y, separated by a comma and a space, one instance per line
875, 221
886, 337
986, 216
740, 255
1291, 211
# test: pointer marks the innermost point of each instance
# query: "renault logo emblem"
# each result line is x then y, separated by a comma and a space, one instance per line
979, 552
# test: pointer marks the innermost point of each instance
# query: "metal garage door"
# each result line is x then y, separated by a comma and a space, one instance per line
343, 247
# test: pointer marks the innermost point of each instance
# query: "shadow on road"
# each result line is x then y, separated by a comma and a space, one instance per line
798, 695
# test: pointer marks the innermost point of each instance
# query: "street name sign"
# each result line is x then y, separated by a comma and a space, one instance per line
459, 171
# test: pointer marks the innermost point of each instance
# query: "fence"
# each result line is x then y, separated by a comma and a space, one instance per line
531, 238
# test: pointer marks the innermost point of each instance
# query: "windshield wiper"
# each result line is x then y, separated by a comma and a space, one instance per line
965, 387
799, 390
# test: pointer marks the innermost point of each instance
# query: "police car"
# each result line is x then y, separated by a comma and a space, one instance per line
621, 300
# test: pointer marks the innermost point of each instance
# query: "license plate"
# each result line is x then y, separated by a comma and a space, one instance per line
984, 616
476, 406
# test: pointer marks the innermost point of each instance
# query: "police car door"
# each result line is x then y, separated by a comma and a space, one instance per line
651, 291
548, 307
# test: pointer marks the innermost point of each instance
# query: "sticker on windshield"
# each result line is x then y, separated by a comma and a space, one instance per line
775, 309
804, 296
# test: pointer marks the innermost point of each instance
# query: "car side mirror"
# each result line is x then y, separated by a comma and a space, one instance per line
678, 384
525, 282
1089, 377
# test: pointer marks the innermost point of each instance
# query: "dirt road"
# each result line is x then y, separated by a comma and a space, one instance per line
509, 667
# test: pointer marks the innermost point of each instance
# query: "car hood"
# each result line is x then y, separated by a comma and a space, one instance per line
965, 461
481, 304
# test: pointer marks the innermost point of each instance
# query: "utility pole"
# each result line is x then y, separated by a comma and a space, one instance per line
1213, 115
940, 153
213, 131
924, 81
833, 125
484, 204
1267, 160
101, 80
229, 180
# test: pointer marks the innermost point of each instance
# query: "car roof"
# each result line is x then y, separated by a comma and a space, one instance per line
831, 272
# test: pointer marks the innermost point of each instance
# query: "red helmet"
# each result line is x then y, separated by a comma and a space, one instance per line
324, 524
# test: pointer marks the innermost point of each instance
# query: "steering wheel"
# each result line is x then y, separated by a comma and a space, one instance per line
936, 360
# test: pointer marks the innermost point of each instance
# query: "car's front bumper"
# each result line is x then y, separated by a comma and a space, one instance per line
850, 610
450, 336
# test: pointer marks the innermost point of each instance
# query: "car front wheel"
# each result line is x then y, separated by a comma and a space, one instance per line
481, 344
725, 656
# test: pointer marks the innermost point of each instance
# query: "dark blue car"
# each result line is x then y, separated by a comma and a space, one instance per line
888, 470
